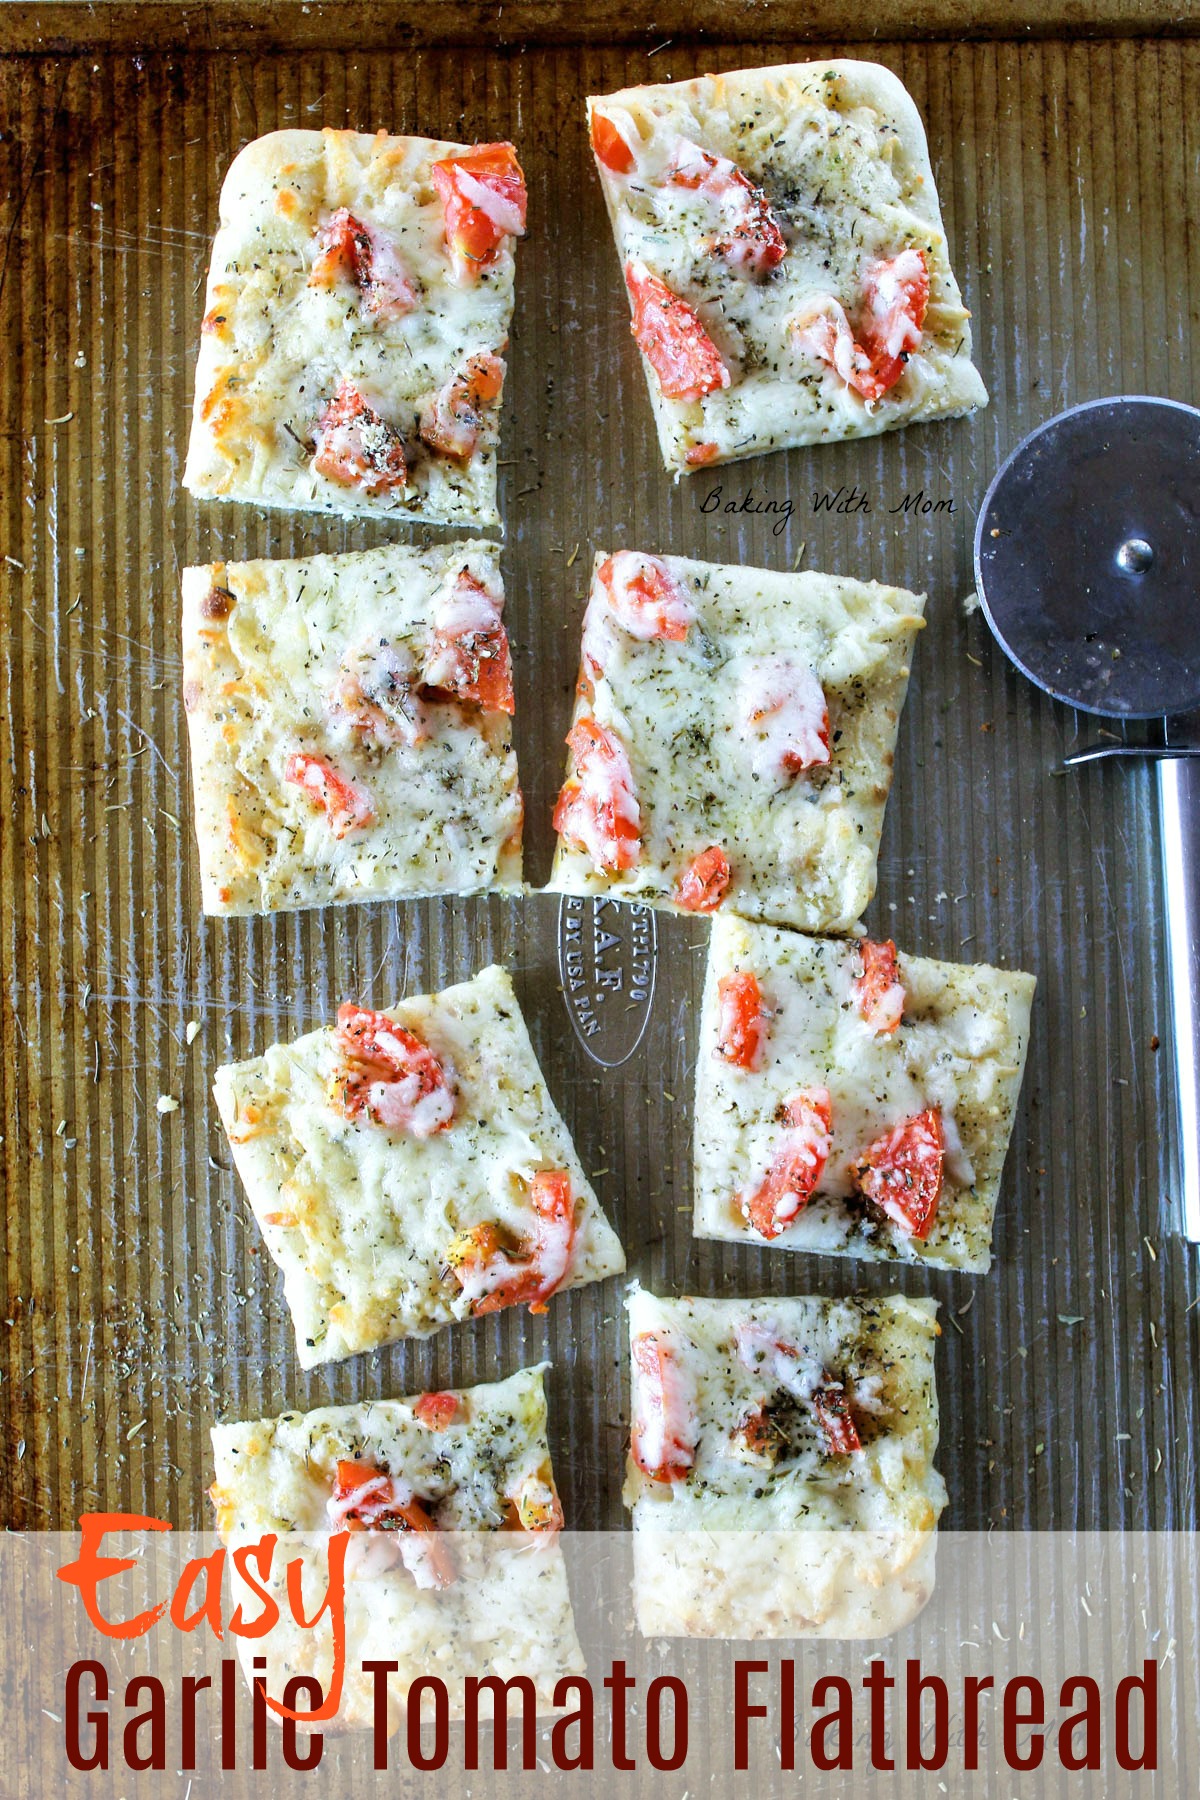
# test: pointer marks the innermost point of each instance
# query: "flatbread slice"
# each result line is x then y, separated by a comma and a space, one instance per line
782, 246
357, 312
408, 1168
452, 1515
733, 739
350, 728
853, 1100
781, 1476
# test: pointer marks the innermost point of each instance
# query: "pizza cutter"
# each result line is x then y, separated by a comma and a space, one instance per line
1087, 563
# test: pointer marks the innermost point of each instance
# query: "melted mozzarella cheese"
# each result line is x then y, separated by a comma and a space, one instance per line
375, 691
389, 274
763, 1347
598, 640
401, 1105
464, 608
784, 718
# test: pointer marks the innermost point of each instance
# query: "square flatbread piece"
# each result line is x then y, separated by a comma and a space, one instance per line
425, 1487
854, 1101
349, 719
781, 241
781, 1472
733, 739
358, 306
409, 1168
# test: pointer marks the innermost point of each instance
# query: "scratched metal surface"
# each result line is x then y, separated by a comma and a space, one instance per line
137, 1302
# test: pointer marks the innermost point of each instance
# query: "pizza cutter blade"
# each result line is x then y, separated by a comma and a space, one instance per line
1087, 564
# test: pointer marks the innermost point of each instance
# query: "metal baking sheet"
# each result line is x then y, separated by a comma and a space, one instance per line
138, 1303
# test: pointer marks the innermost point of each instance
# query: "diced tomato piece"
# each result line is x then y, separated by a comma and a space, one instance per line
342, 247
747, 234
701, 887
755, 1438
895, 298
453, 420
797, 1165
753, 243
878, 991
666, 1427
609, 146
391, 1074
645, 596
363, 1496
755, 1430
436, 1411
699, 455
741, 1022
469, 656
832, 1409
345, 806
356, 447
895, 295
536, 1504
695, 168
494, 1272
483, 202
597, 808
672, 339
365, 1499
550, 1193
902, 1172
368, 257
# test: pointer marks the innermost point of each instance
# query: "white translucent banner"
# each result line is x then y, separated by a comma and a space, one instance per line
851, 1662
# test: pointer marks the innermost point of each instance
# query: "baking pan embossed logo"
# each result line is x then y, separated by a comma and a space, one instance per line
607, 957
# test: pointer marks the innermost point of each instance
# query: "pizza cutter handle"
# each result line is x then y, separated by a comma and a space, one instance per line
1179, 815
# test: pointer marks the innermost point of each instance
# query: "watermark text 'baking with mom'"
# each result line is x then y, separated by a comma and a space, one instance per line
852, 499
